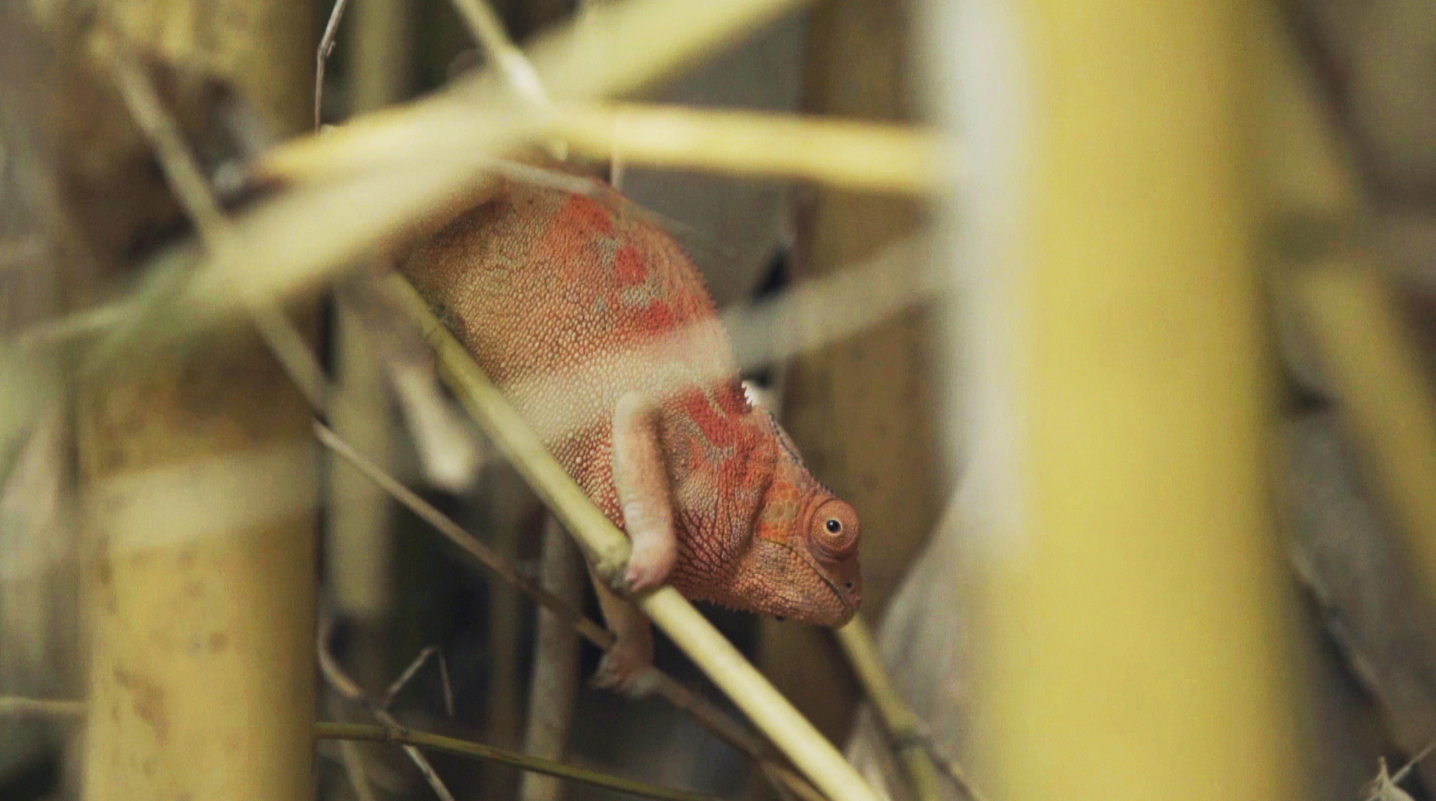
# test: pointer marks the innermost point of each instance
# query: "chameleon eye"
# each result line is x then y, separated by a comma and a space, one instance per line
834, 531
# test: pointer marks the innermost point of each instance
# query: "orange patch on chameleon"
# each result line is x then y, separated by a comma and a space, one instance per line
732, 399
581, 215
718, 430
654, 318
629, 266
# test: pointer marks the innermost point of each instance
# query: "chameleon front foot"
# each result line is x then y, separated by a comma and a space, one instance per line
640, 476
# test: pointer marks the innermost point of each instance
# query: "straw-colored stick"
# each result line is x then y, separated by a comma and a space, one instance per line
848, 153
608, 548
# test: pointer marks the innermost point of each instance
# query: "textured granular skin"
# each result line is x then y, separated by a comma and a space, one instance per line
569, 302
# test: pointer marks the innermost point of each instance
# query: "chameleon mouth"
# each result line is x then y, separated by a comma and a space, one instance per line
847, 602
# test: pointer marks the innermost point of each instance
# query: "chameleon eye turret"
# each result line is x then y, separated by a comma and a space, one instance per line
834, 531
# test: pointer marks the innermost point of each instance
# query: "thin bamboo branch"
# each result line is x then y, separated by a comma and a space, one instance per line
907, 731
351, 759
418, 739
510, 61
321, 55
848, 153
608, 549
340, 681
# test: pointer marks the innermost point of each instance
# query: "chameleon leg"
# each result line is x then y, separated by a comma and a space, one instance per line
625, 664
640, 477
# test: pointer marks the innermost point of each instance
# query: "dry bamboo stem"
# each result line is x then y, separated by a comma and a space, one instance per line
553, 692
608, 550
201, 624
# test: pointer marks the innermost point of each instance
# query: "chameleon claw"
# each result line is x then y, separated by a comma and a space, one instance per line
626, 672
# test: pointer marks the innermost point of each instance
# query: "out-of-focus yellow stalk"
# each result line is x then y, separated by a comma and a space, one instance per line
850, 153
1136, 628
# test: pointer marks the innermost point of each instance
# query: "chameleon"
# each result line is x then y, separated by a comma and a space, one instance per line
599, 329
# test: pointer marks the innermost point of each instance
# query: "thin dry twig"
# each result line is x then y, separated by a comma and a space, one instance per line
321, 56
1395, 778
409, 738
336, 678
418, 662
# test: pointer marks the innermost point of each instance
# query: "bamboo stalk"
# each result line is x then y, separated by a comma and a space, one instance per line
201, 624
1136, 613
608, 551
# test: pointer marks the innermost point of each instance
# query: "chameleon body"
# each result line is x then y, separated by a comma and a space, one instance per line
601, 332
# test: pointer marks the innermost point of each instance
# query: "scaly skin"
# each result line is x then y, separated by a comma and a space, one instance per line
601, 332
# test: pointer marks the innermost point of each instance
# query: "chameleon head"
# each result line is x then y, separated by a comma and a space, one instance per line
802, 559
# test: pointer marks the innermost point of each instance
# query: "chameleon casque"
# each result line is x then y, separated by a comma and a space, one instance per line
601, 332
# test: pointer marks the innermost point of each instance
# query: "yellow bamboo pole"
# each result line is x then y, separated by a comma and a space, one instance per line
1135, 610
198, 475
